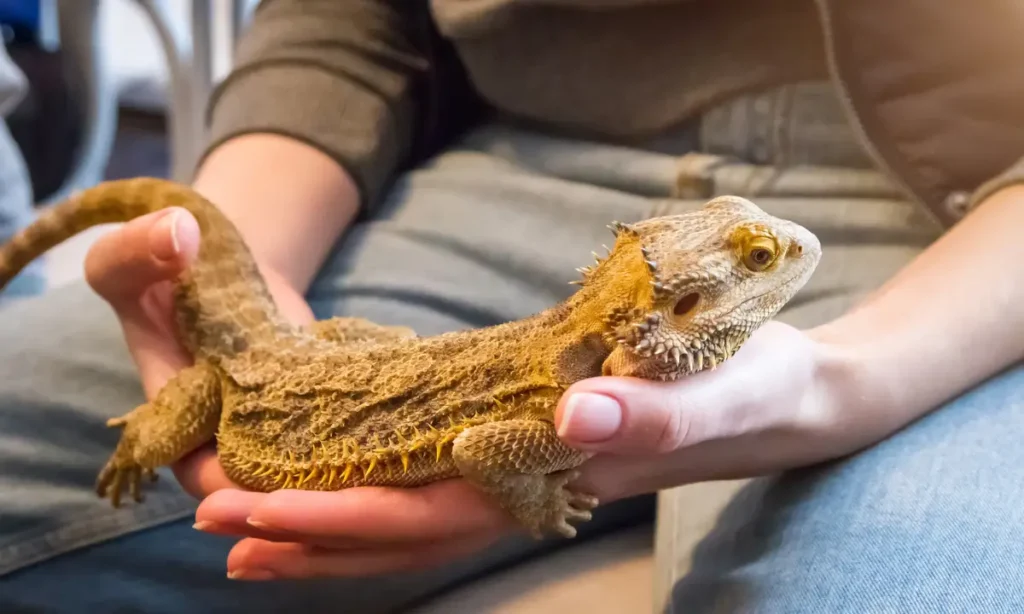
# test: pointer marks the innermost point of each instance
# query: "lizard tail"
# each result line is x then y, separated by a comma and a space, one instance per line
223, 290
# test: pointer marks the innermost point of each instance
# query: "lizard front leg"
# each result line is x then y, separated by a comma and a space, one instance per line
182, 417
526, 467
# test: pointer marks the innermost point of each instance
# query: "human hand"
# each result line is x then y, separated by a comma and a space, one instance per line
783, 401
133, 268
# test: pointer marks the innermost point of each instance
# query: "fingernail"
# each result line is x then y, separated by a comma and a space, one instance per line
204, 525
164, 229
590, 417
258, 525
251, 574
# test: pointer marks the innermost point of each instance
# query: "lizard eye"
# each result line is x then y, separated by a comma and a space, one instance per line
759, 253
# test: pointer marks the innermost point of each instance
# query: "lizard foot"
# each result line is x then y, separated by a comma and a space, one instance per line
557, 505
122, 469
524, 465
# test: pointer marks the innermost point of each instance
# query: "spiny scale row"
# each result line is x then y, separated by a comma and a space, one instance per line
617, 228
329, 471
693, 365
640, 331
690, 281
587, 271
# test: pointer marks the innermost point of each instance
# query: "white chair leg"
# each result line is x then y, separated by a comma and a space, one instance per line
90, 81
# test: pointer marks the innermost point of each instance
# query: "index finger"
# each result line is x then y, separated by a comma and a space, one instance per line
368, 514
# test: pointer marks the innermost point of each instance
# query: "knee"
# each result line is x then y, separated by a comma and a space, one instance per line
935, 511
66, 335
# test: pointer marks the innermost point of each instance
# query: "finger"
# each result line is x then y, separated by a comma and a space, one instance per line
123, 264
227, 512
200, 473
385, 515
132, 269
253, 559
624, 415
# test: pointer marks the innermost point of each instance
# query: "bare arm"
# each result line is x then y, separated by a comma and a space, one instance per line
289, 200
326, 101
946, 322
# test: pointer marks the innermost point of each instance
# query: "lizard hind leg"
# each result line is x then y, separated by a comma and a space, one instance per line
182, 417
527, 469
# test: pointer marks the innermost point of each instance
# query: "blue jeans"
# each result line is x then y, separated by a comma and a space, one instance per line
490, 230
929, 520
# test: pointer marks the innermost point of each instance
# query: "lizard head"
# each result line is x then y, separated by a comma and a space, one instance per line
708, 279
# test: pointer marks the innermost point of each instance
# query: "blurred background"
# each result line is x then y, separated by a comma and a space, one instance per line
111, 89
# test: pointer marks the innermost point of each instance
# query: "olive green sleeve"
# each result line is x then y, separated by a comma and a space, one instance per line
361, 80
1011, 176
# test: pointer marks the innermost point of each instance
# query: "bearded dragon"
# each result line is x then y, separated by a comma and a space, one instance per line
345, 402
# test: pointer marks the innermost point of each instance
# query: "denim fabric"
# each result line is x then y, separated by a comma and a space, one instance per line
929, 520
491, 230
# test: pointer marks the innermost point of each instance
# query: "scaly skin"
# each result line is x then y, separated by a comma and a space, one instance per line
346, 402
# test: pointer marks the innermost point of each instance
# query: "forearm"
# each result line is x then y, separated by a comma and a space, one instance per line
342, 83
946, 322
290, 201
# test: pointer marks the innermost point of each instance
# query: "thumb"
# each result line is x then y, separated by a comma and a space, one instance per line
626, 415
131, 268
123, 264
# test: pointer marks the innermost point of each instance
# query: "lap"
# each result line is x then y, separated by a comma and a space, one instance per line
476, 237
931, 519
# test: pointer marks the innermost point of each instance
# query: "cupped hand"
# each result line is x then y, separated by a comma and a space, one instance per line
781, 402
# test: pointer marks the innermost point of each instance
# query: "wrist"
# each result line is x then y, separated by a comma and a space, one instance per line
858, 400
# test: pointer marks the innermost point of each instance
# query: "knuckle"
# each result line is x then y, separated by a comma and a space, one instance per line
675, 425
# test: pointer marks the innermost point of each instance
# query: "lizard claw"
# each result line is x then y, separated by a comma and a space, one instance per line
566, 505
122, 471
583, 501
114, 478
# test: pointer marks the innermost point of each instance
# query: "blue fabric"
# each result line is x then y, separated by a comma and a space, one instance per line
930, 520
24, 13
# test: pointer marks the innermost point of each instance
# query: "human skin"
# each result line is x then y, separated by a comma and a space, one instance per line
788, 398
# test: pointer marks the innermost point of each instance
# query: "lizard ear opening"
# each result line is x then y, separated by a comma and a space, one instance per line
686, 304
